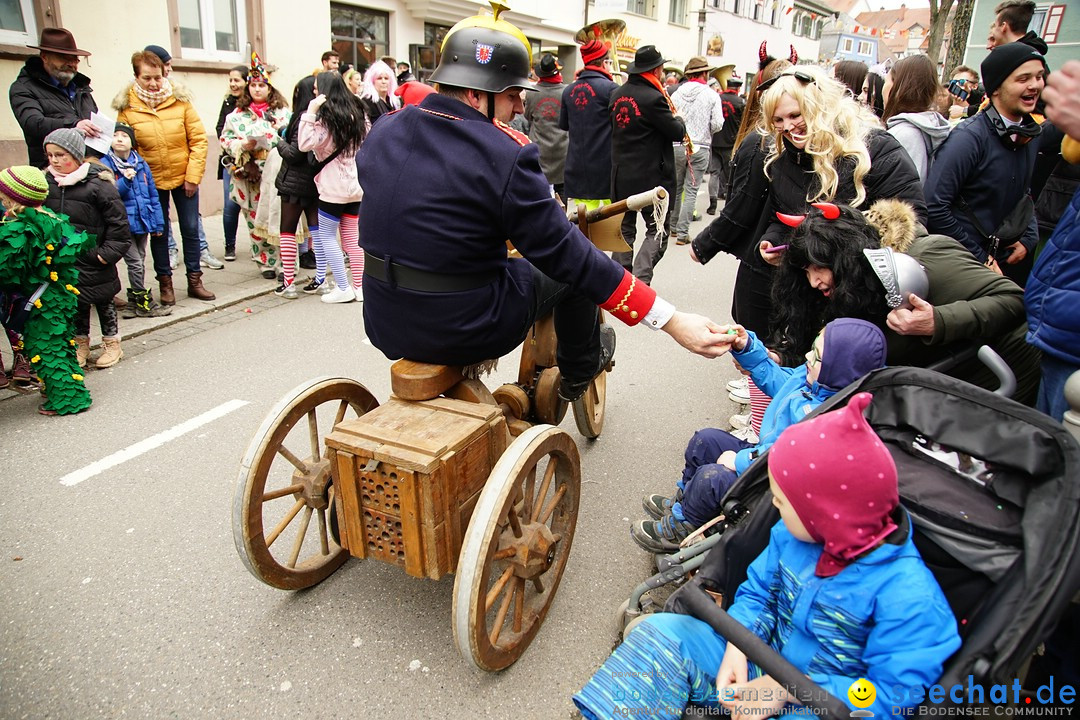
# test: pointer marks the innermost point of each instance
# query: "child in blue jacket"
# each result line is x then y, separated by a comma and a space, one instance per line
135, 183
840, 591
843, 352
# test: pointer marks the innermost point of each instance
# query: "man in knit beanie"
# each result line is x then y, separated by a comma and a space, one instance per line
584, 114
978, 186
543, 109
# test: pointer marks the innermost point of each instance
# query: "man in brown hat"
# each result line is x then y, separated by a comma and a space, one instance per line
643, 127
50, 92
703, 113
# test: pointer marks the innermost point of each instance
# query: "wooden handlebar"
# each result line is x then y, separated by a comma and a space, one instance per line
634, 202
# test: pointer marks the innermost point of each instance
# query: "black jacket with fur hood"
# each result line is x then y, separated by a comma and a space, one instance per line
93, 204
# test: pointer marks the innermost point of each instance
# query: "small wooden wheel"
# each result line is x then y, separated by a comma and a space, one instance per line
286, 475
550, 408
515, 548
589, 408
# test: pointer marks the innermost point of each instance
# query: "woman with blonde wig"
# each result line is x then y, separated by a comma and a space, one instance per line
828, 148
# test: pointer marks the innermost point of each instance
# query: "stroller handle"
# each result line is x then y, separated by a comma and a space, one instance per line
810, 694
988, 357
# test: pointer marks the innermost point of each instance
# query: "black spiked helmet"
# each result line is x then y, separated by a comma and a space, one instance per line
485, 53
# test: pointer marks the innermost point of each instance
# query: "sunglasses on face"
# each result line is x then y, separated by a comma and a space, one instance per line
804, 78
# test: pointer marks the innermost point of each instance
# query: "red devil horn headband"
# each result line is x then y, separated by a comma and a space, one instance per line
790, 220
763, 52
794, 56
828, 210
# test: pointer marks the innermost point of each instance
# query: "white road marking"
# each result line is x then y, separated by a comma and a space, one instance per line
150, 443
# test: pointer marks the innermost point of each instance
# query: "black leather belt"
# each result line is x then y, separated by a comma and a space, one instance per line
413, 279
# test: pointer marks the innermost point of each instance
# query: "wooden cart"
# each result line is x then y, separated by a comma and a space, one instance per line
444, 477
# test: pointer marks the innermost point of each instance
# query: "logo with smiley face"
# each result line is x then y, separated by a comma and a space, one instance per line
862, 694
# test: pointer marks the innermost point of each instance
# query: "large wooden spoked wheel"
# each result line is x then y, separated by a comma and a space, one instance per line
515, 548
589, 408
286, 481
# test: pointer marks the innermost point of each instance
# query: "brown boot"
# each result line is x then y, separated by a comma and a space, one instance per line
82, 349
120, 301
168, 297
195, 288
112, 355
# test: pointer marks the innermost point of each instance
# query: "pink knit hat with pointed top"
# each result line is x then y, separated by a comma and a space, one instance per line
841, 481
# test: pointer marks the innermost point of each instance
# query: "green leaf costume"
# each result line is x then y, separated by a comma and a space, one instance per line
38, 247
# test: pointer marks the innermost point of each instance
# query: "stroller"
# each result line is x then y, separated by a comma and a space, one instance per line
993, 491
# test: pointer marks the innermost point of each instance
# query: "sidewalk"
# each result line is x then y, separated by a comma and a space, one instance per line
239, 281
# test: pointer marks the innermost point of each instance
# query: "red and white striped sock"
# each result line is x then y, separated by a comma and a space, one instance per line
288, 257
759, 403
350, 240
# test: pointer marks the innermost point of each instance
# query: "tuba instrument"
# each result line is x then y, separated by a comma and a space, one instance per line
607, 31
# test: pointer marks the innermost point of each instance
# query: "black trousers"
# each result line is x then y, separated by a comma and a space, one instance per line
577, 324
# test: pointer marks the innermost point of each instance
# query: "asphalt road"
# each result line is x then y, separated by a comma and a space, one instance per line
122, 595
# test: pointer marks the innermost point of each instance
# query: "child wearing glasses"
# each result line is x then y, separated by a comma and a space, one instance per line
844, 351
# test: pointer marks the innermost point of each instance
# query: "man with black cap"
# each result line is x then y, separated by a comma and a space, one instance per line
438, 285
643, 127
542, 111
50, 93
978, 187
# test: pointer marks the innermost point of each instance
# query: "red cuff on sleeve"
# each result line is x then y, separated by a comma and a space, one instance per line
631, 300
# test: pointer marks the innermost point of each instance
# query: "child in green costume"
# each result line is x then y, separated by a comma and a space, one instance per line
38, 296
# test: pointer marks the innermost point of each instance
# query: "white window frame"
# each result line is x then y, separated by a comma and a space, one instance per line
846, 45
14, 37
677, 12
206, 22
869, 48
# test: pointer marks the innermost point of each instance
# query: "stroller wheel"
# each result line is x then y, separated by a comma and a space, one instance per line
627, 619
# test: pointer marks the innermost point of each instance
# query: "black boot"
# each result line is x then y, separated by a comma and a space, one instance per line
129, 310
146, 307
712, 206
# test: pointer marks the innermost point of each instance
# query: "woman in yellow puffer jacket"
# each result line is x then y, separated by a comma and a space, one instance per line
172, 140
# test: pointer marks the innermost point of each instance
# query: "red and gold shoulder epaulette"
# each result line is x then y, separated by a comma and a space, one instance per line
631, 301
519, 137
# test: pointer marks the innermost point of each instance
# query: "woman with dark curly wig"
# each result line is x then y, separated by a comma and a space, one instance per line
824, 275
333, 128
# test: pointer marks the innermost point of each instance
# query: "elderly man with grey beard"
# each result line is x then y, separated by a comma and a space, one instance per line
50, 93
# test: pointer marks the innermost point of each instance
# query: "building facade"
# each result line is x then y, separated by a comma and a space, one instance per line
1058, 23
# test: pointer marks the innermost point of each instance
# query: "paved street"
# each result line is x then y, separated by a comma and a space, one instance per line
121, 591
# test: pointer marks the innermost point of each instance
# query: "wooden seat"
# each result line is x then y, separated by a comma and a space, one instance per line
417, 381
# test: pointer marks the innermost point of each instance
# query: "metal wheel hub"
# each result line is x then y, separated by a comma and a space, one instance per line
534, 551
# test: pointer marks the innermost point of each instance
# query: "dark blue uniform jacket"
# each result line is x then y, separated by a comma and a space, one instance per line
444, 188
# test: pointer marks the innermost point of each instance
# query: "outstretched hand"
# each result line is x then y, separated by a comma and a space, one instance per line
699, 334
919, 320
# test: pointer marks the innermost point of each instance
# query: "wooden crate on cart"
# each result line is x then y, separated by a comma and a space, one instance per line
409, 475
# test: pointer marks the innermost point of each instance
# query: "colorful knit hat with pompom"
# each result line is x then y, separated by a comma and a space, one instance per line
25, 185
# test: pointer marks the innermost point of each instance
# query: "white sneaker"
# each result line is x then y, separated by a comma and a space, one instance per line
207, 259
747, 434
741, 396
339, 295
359, 293
741, 383
738, 422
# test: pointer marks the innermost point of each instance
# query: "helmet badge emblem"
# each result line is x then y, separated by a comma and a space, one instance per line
484, 53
